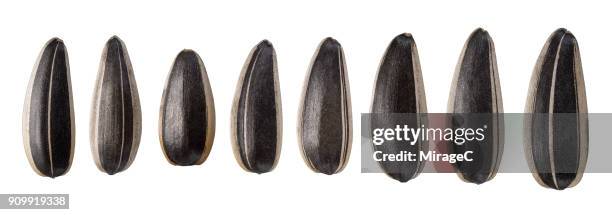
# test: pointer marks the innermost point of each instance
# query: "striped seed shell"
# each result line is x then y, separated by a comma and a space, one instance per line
115, 116
556, 126
256, 112
476, 90
187, 112
48, 114
324, 125
399, 89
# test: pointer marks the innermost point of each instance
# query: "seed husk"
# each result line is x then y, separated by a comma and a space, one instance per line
48, 114
476, 90
399, 89
115, 117
256, 112
556, 127
324, 125
187, 112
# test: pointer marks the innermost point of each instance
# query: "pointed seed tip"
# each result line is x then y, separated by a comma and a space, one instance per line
480, 29
480, 34
405, 34
404, 37
330, 42
56, 40
114, 39
187, 51
264, 44
564, 30
400, 179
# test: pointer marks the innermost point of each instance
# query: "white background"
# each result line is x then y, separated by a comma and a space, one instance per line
223, 34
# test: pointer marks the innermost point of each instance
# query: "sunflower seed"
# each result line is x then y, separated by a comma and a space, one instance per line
115, 117
256, 112
187, 112
476, 90
399, 89
48, 114
324, 125
556, 145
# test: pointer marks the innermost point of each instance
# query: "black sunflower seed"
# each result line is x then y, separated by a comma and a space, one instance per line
115, 117
324, 124
475, 99
187, 112
399, 89
256, 112
556, 144
48, 117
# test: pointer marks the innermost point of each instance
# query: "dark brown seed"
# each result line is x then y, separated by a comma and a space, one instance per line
556, 144
399, 89
187, 112
256, 112
476, 90
324, 124
115, 117
48, 115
